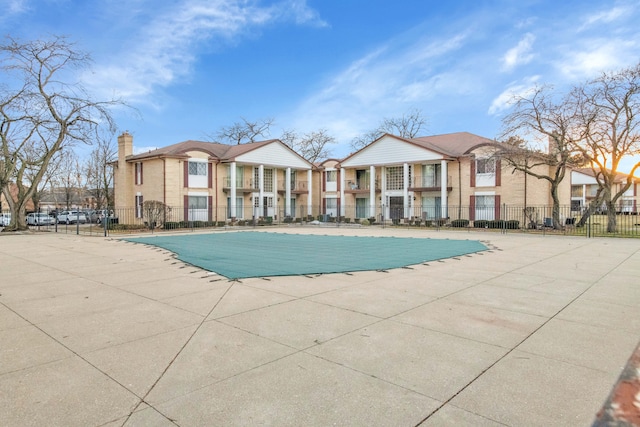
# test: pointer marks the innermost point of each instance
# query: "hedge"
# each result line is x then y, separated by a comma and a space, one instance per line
460, 223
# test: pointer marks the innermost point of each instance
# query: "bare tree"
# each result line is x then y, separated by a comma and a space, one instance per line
99, 171
245, 131
68, 180
409, 125
313, 146
155, 213
42, 113
610, 114
541, 117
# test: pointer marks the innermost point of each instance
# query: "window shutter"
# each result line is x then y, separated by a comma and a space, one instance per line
338, 179
497, 206
186, 206
324, 205
472, 172
141, 174
324, 181
210, 176
186, 174
210, 206
498, 173
472, 208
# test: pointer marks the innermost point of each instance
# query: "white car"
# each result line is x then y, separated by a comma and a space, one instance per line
72, 217
40, 219
5, 219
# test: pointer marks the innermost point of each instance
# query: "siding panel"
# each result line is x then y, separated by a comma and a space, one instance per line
389, 150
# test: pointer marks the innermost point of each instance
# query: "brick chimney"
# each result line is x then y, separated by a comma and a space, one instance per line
123, 176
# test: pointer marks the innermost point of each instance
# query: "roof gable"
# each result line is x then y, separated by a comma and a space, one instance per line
272, 153
390, 149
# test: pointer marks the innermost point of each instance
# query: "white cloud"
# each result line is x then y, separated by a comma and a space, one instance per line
12, 8
505, 99
604, 17
520, 54
598, 56
395, 77
164, 50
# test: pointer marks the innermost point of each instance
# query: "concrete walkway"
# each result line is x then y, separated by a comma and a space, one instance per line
98, 332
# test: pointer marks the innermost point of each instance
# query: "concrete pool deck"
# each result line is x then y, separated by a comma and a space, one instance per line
99, 332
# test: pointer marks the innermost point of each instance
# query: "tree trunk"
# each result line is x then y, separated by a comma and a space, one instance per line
611, 217
556, 206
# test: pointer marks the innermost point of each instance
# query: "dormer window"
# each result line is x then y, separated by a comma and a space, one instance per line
486, 166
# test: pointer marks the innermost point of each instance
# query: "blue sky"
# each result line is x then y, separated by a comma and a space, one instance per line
190, 67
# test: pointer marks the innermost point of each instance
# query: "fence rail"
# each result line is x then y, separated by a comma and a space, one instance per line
505, 218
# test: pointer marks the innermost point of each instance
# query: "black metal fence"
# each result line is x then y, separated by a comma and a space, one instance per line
502, 218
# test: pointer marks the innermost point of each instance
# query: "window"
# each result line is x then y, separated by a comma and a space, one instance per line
197, 202
197, 174
362, 207
138, 169
395, 178
485, 207
197, 206
268, 179
362, 180
332, 176
139, 200
239, 208
486, 166
198, 168
292, 202
239, 177
431, 175
576, 191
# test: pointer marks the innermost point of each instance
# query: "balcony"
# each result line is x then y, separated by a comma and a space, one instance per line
297, 187
242, 185
427, 183
359, 186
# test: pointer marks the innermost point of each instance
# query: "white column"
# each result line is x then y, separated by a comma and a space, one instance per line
342, 184
310, 192
287, 192
372, 191
274, 185
584, 196
261, 190
443, 188
232, 189
405, 190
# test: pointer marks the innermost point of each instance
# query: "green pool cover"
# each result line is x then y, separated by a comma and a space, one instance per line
237, 255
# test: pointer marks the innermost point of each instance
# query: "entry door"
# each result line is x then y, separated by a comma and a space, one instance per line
396, 207
267, 206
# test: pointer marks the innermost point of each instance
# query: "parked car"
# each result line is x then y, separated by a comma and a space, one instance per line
5, 219
92, 215
101, 214
40, 219
71, 217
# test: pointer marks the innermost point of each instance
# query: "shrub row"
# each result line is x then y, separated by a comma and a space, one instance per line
460, 223
512, 224
172, 225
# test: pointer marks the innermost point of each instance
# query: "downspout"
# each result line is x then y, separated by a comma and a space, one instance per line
217, 162
164, 184
459, 189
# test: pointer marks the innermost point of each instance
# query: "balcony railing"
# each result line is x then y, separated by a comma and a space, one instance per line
241, 184
420, 183
295, 186
360, 184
